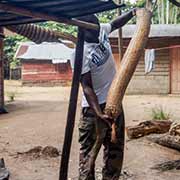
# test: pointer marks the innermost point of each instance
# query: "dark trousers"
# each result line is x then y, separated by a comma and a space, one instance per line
113, 153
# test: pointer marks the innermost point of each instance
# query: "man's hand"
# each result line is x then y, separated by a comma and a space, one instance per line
91, 97
107, 119
134, 11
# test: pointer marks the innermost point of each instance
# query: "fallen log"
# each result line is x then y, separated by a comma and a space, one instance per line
167, 141
148, 127
175, 130
167, 166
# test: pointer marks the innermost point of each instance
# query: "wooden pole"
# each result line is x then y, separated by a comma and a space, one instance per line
129, 63
39, 34
42, 16
120, 40
2, 110
72, 106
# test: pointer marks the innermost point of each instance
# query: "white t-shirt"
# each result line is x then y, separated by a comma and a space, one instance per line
98, 59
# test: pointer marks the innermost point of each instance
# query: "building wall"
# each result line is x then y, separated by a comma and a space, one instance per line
45, 73
156, 82
175, 70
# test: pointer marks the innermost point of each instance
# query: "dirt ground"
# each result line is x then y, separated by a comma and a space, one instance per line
37, 118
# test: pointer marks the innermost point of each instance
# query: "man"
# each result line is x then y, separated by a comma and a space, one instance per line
98, 71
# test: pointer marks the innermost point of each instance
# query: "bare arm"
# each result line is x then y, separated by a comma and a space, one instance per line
91, 97
122, 20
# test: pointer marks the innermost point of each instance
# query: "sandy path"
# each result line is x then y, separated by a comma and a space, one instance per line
38, 115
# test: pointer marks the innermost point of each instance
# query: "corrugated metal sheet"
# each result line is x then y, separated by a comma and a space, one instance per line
157, 30
57, 52
59, 8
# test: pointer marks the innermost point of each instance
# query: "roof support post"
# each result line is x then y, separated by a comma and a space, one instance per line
2, 109
72, 106
120, 39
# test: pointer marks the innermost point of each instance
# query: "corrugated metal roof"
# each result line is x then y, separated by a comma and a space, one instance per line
157, 30
57, 52
59, 8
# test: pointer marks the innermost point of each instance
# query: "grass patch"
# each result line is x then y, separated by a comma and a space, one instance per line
11, 95
158, 113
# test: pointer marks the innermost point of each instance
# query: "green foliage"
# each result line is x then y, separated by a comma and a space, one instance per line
10, 47
11, 95
166, 13
105, 17
140, 3
158, 113
108, 16
59, 27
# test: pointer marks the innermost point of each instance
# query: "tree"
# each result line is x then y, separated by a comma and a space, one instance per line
10, 47
59, 27
167, 13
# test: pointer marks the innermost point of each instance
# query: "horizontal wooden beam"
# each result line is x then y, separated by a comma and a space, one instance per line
40, 34
37, 15
17, 22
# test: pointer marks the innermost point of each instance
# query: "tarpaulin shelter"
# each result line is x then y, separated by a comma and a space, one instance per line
28, 11
14, 12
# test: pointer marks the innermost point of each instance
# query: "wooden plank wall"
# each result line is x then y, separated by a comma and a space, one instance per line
156, 82
175, 70
161, 64
43, 72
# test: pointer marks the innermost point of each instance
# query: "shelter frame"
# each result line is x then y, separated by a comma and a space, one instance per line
39, 16
2, 108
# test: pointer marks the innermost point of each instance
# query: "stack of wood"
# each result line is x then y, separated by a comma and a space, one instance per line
148, 127
170, 139
167, 134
